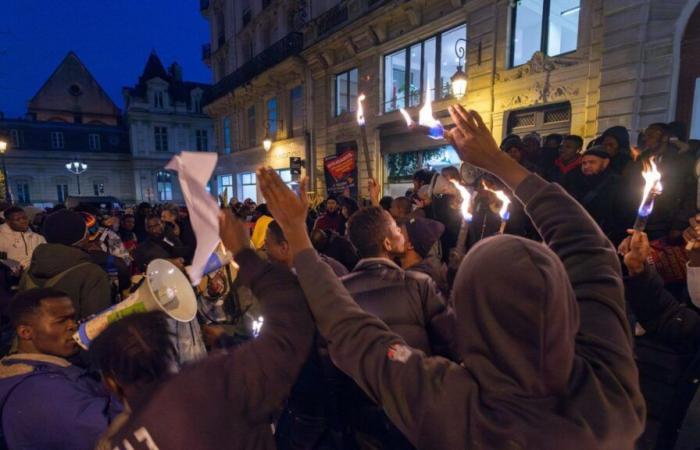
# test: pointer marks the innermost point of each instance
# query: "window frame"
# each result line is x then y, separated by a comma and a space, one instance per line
61, 192
164, 180
351, 105
272, 117
544, 36
241, 183
221, 187
23, 192
57, 140
226, 124
201, 140
158, 101
160, 135
94, 141
424, 76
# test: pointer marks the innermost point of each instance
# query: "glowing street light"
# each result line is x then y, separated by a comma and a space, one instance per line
77, 167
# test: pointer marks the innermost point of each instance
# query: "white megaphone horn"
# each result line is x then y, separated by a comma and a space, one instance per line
165, 288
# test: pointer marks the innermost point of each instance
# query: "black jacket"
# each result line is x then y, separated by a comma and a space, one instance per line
604, 198
158, 248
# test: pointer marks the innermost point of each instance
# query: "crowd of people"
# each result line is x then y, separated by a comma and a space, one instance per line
394, 323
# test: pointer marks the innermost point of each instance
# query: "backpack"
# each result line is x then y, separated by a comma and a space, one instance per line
27, 282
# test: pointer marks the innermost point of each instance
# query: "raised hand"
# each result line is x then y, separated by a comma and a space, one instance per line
635, 249
475, 145
232, 233
288, 209
373, 188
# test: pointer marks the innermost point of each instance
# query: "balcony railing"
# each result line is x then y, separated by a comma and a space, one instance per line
206, 52
331, 19
289, 45
203, 4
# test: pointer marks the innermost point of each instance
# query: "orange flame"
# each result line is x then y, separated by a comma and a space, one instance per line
652, 187
505, 201
407, 117
466, 201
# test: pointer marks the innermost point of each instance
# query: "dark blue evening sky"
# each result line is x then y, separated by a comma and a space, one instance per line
113, 38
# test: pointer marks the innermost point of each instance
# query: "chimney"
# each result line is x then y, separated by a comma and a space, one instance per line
175, 71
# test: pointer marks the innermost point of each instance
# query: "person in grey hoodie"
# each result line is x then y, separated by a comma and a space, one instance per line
546, 348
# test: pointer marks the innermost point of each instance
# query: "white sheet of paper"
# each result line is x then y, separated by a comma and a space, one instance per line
194, 170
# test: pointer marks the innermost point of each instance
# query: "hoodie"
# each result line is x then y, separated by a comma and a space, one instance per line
19, 246
624, 156
546, 348
48, 403
88, 286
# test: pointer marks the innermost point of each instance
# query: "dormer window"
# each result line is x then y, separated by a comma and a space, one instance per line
158, 99
197, 103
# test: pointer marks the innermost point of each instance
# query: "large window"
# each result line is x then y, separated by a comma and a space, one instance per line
23, 193
272, 117
225, 186
56, 139
161, 137
296, 99
408, 72
550, 26
247, 186
94, 141
202, 140
346, 92
158, 99
164, 181
16, 138
61, 192
227, 135
98, 189
252, 139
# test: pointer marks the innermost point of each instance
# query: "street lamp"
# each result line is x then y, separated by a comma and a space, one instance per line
459, 79
267, 140
3, 149
77, 167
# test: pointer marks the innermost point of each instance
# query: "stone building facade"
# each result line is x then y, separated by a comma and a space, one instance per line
563, 66
164, 115
71, 118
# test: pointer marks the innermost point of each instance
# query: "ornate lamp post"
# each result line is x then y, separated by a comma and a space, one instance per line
459, 79
77, 167
267, 140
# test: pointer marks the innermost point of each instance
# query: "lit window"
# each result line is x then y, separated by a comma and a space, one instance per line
225, 186
164, 183
550, 26
247, 186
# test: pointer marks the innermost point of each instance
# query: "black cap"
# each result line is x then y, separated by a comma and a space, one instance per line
423, 234
599, 151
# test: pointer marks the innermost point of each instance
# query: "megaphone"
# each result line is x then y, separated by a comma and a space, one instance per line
165, 289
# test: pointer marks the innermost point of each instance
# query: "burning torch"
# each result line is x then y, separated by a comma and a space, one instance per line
427, 124
505, 205
465, 207
652, 188
363, 133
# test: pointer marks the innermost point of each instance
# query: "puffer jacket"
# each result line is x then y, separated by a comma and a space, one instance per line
19, 246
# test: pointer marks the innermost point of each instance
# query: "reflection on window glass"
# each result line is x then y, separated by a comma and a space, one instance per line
448, 58
414, 76
563, 26
527, 38
272, 117
395, 81
429, 65
341, 89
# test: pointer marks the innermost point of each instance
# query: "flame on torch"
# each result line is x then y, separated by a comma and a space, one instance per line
466, 201
652, 188
505, 202
425, 117
409, 122
360, 110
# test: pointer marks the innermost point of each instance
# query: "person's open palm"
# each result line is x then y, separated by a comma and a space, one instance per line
471, 138
288, 209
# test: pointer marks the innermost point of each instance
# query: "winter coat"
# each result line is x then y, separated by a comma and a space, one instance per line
87, 285
603, 196
165, 247
548, 366
436, 270
619, 162
19, 246
48, 403
334, 221
228, 400
411, 305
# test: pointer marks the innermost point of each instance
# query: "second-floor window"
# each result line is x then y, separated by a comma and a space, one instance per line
252, 138
56, 139
296, 99
346, 92
408, 72
62, 192
549, 26
197, 104
161, 138
202, 140
158, 99
272, 117
94, 141
227, 135
16, 138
